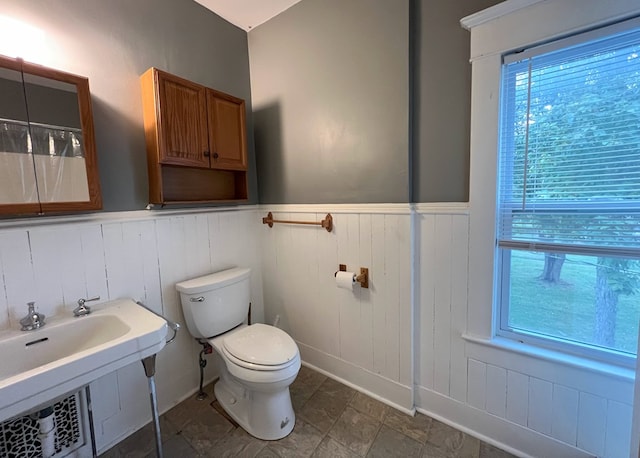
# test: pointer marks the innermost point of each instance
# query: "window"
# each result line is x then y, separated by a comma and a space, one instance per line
568, 229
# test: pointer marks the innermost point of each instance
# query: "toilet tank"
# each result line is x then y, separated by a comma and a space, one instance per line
215, 303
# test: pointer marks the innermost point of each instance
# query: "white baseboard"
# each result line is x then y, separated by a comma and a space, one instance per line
513, 438
392, 393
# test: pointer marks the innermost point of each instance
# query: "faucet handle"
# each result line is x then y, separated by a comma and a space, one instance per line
82, 301
83, 309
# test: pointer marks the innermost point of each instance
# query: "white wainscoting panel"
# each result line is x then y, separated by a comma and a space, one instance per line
517, 397
540, 397
496, 402
592, 422
142, 257
17, 275
618, 433
564, 417
477, 384
426, 294
525, 403
443, 240
361, 336
564, 405
551, 409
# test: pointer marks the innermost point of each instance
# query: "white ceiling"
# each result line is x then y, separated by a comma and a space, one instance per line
247, 14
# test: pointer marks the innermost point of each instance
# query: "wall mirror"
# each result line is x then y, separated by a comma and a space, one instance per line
47, 143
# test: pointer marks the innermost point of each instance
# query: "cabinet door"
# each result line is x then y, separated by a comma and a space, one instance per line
18, 191
183, 113
226, 131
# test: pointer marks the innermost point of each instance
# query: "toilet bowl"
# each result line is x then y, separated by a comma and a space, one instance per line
255, 394
257, 362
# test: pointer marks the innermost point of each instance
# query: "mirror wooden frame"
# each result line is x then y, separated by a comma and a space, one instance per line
88, 136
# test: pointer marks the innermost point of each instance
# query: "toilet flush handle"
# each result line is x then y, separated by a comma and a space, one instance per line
197, 299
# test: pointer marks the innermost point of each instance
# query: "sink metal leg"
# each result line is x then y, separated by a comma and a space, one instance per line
92, 431
149, 364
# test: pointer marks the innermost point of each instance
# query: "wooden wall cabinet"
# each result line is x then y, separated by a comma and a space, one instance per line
196, 141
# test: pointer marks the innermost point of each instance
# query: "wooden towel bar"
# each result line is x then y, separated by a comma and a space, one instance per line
327, 222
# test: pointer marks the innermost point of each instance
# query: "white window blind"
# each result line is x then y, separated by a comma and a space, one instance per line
569, 171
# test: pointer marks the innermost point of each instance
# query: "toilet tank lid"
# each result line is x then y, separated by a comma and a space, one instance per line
213, 281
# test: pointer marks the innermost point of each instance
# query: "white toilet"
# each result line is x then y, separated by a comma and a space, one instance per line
259, 361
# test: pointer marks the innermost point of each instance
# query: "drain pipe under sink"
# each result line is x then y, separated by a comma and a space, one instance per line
47, 432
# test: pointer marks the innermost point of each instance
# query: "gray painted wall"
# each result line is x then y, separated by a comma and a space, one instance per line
442, 92
330, 86
112, 43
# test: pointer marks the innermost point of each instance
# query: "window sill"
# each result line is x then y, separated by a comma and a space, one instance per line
483, 346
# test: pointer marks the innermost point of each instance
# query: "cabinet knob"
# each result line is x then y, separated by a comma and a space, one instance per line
215, 155
206, 154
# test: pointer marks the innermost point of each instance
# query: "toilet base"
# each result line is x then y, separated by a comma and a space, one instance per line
267, 416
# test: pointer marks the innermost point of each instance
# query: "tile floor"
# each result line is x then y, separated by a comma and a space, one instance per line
333, 421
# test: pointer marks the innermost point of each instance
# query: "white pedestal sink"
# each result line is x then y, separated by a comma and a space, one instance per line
68, 353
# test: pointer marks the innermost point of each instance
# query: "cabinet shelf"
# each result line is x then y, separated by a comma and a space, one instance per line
186, 184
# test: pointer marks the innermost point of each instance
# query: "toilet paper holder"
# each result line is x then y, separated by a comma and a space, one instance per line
363, 278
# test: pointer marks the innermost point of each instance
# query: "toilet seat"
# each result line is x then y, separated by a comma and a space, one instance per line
260, 373
260, 347
256, 367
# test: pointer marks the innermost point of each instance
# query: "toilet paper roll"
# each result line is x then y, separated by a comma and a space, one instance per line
345, 280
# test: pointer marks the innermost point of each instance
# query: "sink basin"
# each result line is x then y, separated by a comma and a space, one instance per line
31, 351
68, 353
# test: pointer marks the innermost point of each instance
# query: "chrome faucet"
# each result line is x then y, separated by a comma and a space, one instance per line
33, 320
82, 309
